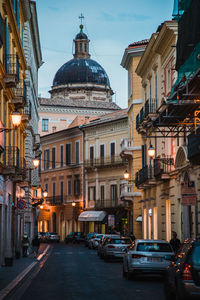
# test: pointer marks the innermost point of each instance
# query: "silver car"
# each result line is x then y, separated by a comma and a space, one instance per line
102, 243
147, 256
114, 247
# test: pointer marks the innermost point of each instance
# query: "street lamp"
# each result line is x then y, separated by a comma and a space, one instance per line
73, 204
126, 175
151, 151
45, 194
16, 118
36, 162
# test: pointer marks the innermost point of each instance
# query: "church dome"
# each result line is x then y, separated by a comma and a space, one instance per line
81, 36
81, 70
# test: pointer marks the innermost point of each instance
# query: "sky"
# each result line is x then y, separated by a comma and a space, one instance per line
111, 25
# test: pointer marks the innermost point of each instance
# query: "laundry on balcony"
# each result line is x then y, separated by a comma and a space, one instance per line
88, 216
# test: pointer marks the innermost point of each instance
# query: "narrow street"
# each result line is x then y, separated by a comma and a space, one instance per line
74, 272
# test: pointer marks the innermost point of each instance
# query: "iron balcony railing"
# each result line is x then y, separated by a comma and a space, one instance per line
12, 64
27, 111
20, 90
143, 175
55, 200
105, 161
12, 159
107, 203
163, 165
150, 106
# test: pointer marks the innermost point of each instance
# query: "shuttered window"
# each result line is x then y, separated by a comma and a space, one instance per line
68, 154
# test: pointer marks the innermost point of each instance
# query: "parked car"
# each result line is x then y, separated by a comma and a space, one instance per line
75, 237
54, 237
89, 236
114, 247
45, 237
93, 242
102, 243
183, 274
79, 237
147, 256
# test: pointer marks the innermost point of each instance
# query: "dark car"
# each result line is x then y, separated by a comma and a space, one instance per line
89, 236
79, 237
183, 274
75, 237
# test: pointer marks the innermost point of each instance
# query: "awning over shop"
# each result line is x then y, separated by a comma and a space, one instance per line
139, 219
92, 216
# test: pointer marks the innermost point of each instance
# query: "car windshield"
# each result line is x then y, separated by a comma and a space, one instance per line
120, 241
98, 236
196, 256
154, 247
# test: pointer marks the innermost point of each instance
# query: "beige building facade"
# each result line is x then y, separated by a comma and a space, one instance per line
131, 146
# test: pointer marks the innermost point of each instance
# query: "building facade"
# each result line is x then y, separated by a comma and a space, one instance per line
156, 177
131, 146
62, 179
103, 174
13, 15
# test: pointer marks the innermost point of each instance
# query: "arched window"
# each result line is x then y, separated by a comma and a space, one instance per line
85, 46
81, 47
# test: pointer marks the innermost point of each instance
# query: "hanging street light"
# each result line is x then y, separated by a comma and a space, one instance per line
126, 175
16, 118
151, 151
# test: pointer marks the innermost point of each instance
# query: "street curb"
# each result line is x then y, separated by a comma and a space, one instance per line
7, 290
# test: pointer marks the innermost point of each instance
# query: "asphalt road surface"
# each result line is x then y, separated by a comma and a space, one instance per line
74, 272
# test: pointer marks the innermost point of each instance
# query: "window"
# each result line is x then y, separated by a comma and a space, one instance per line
54, 190
80, 47
77, 152
112, 151
46, 187
68, 154
46, 159
77, 187
45, 124
144, 156
91, 154
61, 155
53, 158
92, 193
156, 91
113, 192
102, 191
61, 190
85, 45
69, 187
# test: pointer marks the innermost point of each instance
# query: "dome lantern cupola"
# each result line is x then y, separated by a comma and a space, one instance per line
81, 45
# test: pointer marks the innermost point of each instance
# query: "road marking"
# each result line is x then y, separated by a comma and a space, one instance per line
42, 254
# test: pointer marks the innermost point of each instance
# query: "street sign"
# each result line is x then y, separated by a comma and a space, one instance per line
21, 204
188, 193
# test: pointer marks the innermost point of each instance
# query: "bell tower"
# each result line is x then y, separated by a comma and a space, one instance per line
81, 42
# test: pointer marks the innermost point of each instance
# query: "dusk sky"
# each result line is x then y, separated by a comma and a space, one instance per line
111, 26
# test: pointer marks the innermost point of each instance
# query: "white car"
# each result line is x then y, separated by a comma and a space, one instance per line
147, 256
93, 243
114, 247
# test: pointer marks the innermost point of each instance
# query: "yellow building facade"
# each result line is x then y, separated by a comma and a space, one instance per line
131, 146
12, 152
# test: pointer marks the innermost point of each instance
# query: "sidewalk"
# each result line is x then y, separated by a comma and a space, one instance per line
11, 276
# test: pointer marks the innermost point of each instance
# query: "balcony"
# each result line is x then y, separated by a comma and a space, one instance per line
163, 167
103, 162
12, 70
144, 177
126, 149
127, 192
26, 114
13, 164
147, 113
107, 203
19, 99
55, 200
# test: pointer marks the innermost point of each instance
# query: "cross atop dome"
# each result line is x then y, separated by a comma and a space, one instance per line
81, 17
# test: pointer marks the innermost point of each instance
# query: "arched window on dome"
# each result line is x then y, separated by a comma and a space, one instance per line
80, 47
85, 46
